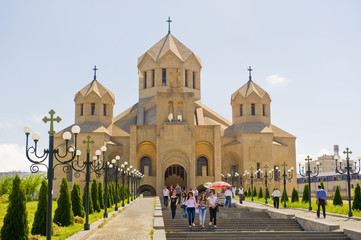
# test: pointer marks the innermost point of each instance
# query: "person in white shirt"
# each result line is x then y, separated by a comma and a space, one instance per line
191, 208
228, 195
240, 193
276, 198
165, 196
212, 203
195, 193
234, 189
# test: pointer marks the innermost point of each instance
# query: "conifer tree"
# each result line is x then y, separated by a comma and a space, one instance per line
100, 195
91, 207
260, 193
39, 224
110, 195
337, 198
283, 195
249, 191
94, 195
64, 214
119, 193
254, 191
294, 196
267, 193
356, 204
322, 185
77, 201
245, 193
305, 194
16, 221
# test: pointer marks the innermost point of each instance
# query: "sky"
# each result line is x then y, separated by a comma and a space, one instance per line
305, 54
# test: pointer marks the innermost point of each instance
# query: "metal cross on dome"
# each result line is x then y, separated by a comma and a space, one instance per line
95, 72
250, 72
169, 21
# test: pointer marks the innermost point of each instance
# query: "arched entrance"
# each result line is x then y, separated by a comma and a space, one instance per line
147, 190
174, 175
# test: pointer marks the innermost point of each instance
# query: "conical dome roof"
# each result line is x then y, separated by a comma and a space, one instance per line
248, 88
166, 44
97, 88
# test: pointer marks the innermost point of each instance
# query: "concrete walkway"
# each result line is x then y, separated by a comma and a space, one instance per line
342, 221
133, 223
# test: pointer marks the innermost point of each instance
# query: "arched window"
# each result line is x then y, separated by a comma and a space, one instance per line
202, 161
170, 112
146, 161
253, 109
180, 112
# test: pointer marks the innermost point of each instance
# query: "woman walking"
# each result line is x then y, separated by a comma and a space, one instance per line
202, 205
173, 203
212, 203
183, 204
191, 208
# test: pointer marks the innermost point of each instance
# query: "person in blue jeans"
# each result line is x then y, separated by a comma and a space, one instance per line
191, 208
321, 197
183, 204
202, 206
165, 196
228, 195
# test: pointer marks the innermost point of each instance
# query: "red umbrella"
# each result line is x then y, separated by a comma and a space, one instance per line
220, 184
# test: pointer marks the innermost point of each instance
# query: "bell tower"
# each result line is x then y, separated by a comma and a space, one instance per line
250, 103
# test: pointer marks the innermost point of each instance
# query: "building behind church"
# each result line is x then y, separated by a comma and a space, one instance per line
171, 136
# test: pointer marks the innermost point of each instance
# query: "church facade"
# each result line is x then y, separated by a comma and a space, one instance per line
171, 136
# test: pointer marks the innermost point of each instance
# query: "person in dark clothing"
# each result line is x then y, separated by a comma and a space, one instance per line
212, 203
321, 197
178, 191
173, 203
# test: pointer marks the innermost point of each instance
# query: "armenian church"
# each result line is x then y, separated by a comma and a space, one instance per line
171, 136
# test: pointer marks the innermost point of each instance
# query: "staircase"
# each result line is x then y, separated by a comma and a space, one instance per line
239, 223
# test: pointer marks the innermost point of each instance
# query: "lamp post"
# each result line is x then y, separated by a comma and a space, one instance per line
350, 172
128, 176
286, 176
50, 153
124, 167
265, 177
309, 174
133, 184
96, 165
249, 176
116, 169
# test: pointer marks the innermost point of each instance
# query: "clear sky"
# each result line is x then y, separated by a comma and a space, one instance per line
305, 54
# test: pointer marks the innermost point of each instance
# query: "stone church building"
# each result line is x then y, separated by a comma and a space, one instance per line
171, 136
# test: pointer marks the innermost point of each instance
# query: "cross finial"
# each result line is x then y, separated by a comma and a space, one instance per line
284, 164
51, 120
88, 143
308, 159
250, 73
169, 21
95, 72
347, 152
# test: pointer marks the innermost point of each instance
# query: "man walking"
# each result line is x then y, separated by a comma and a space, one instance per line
276, 198
228, 195
321, 200
240, 193
178, 191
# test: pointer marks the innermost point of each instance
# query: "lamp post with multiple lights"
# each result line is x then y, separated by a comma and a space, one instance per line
286, 177
268, 175
308, 174
51, 153
249, 176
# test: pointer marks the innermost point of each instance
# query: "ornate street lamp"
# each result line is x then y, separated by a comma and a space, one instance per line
249, 176
350, 171
123, 167
309, 174
133, 183
128, 176
95, 165
116, 170
234, 175
50, 153
286, 177
264, 177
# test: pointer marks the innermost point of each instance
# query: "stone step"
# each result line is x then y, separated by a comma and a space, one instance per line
259, 235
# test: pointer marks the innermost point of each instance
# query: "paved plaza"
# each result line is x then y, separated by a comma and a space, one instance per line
133, 223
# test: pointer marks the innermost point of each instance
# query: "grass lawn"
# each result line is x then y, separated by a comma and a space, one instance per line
329, 207
64, 232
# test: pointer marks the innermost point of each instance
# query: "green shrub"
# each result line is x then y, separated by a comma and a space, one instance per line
267, 195
249, 191
79, 220
337, 198
77, 201
283, 195
31, 185
305, 194
119, 193
91, 208
254, 191
16, 221
245, 193
64, 214
322, 185
6, 183
260, 193
356, 204
294, 196
100, 195
39, 224
94, 195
